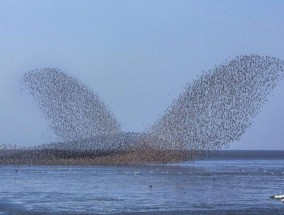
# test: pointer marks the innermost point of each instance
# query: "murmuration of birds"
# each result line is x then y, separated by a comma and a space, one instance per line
73, 110
212, 112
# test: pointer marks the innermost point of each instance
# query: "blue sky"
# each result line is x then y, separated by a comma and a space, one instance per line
136, 55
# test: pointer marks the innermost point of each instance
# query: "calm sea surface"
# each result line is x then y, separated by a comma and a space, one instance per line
216, 186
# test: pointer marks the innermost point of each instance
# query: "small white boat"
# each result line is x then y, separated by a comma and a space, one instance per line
281, 197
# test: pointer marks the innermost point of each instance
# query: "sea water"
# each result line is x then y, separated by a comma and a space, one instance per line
216, 186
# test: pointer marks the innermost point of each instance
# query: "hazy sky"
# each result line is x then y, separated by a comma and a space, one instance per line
136, 55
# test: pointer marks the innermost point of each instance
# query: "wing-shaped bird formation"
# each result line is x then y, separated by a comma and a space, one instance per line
212, 112
217, 108
73, 110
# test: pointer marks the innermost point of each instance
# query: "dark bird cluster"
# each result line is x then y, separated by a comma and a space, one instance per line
73, 110
212, 112
216, 109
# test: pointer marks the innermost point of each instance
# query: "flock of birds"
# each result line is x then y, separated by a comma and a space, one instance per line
210, 113
217, 109
73, 110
